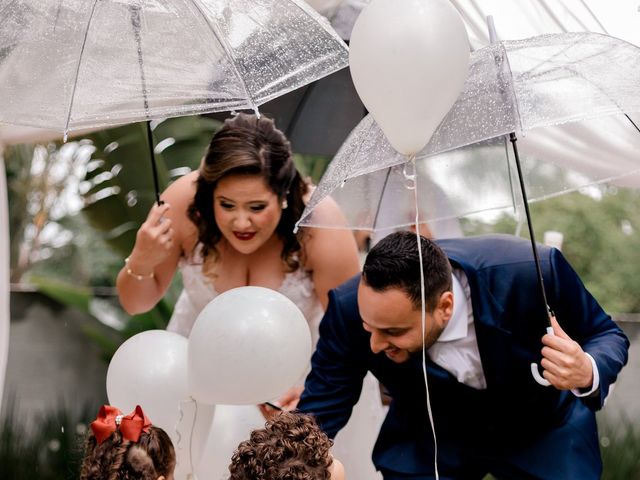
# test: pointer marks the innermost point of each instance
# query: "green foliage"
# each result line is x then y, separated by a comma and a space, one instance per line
311, 166
41, 182
120, 177
18, 167
115, 183
601, 240
64, 293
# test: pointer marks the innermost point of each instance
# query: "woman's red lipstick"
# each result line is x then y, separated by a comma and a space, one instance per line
245, 236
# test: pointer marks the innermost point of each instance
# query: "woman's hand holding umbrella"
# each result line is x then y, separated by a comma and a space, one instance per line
150, 266
154, 242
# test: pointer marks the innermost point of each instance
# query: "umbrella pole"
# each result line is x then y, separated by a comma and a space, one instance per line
154, 167
534, 366
493, 36
513, 139
135, 23
632, 122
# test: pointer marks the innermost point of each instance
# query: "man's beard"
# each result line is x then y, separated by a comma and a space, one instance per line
430, 338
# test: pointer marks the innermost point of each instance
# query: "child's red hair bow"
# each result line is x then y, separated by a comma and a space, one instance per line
110, 419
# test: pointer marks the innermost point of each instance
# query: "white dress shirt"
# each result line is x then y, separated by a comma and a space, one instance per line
456, 350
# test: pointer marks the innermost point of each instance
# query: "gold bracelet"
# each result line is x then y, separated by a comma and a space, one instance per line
135, 275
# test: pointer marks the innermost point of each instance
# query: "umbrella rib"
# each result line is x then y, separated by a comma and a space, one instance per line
324, 24
384, 186
511, 76
298, 111
511, 84
75, 80
228, 51
573, 71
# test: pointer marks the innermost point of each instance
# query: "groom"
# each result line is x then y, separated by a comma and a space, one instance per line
484, 326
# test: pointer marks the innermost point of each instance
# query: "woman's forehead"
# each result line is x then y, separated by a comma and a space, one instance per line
243, 186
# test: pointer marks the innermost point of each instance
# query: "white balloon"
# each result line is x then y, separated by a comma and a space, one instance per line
150, 370
409, 61
247, 346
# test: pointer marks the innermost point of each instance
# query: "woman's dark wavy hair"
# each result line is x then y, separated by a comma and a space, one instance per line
119, 459
290, 447
394, 263
248, 145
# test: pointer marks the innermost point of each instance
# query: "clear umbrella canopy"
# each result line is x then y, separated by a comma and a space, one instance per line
523, 86
71, 64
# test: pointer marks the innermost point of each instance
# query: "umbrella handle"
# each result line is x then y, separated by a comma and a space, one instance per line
534, 368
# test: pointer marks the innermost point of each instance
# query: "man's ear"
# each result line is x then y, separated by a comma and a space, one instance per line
161, 477
445, 305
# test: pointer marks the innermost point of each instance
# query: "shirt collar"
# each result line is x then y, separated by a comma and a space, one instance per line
458, 324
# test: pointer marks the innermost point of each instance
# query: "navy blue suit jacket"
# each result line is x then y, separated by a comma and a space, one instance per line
515, 425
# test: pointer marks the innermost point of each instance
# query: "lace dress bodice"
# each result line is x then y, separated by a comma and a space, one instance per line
198, 291
233, 423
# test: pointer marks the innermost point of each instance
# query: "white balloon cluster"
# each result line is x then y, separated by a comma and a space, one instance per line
247, 346
409, 61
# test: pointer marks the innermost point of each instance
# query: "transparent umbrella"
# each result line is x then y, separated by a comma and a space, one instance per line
513, 88
76, 64
559, 82
71, 64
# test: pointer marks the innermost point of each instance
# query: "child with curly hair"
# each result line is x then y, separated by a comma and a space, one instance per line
291, 446
127, 447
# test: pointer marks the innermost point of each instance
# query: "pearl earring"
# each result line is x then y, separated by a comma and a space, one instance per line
284, 204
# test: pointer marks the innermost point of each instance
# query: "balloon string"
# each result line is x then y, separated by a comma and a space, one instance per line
177, 430
193, 427
423, 311
191, 474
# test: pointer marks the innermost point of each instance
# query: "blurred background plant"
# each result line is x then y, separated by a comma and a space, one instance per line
601, 230
51, 448
620, 447
76, 207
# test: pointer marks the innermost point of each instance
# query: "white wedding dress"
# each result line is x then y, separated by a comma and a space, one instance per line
232, 424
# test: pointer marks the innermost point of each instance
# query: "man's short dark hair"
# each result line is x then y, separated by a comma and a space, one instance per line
394, 263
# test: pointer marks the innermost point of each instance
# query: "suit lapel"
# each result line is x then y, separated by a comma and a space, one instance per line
494, 342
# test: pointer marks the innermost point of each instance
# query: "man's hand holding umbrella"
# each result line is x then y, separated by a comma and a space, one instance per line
566, 365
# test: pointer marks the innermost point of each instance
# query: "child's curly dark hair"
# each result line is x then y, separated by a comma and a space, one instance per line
290, 447
119, 459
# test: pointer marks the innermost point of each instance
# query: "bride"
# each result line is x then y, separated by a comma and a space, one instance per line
228, 225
